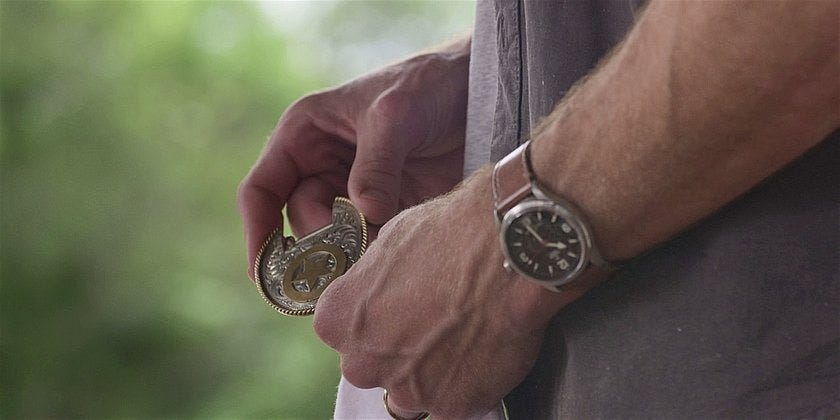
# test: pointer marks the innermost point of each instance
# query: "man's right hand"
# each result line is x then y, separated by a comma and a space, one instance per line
388, 140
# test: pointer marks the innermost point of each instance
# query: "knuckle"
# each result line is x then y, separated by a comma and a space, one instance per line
394, 104
300, 110
306, 102
240, 192
358, 372
323, 331
392, 227
243, 191
325, 328
379, 167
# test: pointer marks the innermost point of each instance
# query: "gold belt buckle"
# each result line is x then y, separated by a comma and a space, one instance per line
291, 274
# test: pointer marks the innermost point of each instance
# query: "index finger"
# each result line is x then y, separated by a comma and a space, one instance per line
262, 195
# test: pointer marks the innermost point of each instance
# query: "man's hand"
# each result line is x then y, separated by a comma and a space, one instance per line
430, 314
662, 135
389, 140
649, 145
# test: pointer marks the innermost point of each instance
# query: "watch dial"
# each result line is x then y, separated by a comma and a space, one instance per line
543, 245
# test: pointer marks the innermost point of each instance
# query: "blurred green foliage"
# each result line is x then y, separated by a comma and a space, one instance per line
126, 127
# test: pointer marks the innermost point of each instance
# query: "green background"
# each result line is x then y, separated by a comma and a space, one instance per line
126, 128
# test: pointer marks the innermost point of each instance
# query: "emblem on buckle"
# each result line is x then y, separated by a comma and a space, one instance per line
291, 274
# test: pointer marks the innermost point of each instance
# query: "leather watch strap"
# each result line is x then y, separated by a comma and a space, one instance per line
511, 183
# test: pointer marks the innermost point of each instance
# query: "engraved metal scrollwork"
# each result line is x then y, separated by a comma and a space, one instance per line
291, 275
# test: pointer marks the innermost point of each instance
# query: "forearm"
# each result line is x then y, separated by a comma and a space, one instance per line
702, 102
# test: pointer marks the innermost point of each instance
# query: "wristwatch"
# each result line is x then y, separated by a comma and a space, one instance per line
544, 237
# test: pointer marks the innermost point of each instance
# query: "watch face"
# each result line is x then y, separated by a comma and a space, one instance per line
544, 241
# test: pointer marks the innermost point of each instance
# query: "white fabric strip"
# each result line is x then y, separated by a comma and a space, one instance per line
356, 403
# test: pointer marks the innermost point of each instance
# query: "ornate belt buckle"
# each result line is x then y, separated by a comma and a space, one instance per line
291, 274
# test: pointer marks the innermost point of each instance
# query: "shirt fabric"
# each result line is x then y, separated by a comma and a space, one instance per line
736, 317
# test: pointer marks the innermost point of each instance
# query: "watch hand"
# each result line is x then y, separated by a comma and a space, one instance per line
558, 245
533, 232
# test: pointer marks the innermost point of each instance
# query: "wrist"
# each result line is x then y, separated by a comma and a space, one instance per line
526, 302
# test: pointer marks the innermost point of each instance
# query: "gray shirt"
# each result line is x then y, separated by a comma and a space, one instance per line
736, 317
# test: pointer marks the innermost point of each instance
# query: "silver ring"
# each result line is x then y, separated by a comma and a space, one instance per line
421, 416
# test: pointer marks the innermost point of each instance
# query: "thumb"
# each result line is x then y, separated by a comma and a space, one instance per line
375, 179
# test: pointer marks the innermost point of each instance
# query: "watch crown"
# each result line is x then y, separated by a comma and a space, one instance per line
506, 265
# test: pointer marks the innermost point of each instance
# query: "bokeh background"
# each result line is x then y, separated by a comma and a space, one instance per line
126, 127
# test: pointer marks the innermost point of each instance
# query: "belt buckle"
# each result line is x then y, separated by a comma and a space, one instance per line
291, 274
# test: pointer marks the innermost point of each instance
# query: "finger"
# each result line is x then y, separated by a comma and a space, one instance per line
337, 312
303, 144
310, 206
360, 374
262, 195
375, 178
267, 187
382, 145
395, 401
